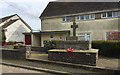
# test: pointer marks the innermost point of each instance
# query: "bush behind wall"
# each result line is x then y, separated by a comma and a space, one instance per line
107, 48
50, 43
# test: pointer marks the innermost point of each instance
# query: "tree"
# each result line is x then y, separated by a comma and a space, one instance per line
3, 35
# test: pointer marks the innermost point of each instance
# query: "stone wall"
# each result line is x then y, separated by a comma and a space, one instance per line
78, 45
84, 58
20, 53
40, 49
13, 54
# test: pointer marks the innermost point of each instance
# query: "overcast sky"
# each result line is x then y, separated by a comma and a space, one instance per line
29, 10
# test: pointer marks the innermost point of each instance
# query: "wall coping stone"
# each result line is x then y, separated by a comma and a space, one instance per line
82, 51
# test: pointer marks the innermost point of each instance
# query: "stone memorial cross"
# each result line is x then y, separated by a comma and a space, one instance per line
74, 26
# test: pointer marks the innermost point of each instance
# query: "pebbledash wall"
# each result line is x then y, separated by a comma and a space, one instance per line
97, 27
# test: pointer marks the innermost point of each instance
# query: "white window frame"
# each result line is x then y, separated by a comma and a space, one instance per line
85, 35
80, 17
84, 16
118, 13
102, 15
66, 18
112, 14
91, 16
107, 14
76, 18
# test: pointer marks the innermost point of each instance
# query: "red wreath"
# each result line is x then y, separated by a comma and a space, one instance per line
70, 50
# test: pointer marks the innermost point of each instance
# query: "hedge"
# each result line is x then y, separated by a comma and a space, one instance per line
107, 48
50, 43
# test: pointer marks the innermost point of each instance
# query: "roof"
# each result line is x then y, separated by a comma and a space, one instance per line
62, 31
65, 8
6, 18
12, 21
9, 23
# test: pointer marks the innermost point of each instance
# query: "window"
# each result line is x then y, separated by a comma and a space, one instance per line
87, 17
115, 14
92, 16
109, 14
64, 19
104, 15
82, 17
77, 17
67, 18
84, 36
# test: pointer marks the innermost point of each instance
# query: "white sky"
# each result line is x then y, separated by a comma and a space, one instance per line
29, 10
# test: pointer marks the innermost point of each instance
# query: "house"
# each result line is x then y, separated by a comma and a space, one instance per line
95, 20
14, 27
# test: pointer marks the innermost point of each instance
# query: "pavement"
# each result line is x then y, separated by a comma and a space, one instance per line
45, 67
11, 69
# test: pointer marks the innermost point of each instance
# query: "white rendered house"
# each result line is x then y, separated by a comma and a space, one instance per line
14, 27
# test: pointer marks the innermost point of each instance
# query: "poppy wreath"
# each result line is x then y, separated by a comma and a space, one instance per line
70, 50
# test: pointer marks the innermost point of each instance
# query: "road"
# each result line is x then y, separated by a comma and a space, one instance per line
10, 69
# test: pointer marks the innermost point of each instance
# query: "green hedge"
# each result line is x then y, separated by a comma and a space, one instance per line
107, 48
50, 43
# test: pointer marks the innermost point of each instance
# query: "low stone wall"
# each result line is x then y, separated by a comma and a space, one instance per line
20, 53
78, 45
40, 49
13, 53
87, 57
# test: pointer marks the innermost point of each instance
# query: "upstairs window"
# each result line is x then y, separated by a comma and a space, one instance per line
104, 15
82, 17
92, 16
77, 17
110, 14
63, 19
115, 14
87, 17
66, 18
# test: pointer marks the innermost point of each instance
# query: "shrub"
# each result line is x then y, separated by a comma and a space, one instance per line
107, 48
11, 42
50, 43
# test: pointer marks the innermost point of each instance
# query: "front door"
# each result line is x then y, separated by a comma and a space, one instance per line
27, 39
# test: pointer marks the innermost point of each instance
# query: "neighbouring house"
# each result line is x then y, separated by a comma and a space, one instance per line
95, 20
14, 27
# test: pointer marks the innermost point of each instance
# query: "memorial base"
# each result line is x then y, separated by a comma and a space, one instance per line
84, 57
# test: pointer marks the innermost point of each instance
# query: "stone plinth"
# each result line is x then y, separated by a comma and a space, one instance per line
77, 45
84, 57
72, 38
